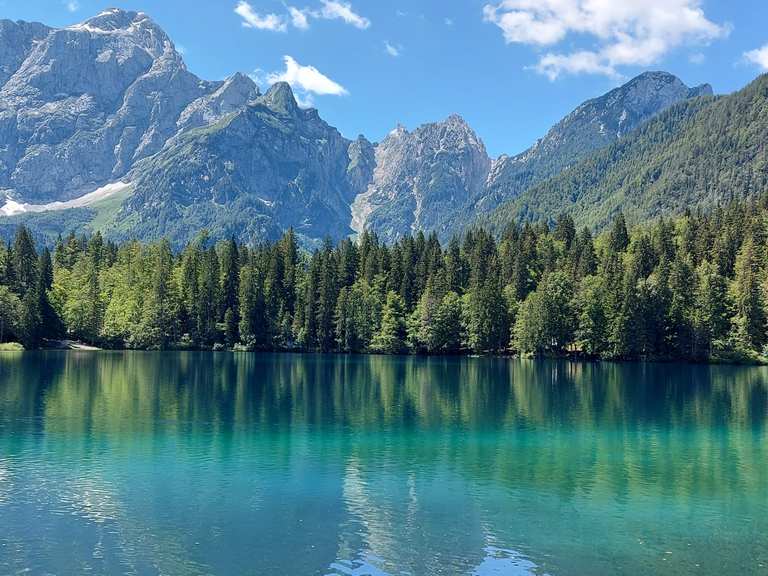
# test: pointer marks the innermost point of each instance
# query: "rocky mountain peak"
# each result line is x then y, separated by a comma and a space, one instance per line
648, 93
279, 98
420, 178
114, 19
136, 27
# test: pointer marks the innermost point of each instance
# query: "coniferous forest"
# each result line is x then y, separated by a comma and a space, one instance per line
693, 288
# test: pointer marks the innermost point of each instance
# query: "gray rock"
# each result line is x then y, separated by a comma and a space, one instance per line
420, 178
85, 103
260, 170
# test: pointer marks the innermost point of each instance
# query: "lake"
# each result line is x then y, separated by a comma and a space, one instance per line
269, 464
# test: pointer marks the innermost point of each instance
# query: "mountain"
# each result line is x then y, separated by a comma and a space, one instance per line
80, 106
697, 154
102, 127
592, 126
433, 178
258, 171
419, 177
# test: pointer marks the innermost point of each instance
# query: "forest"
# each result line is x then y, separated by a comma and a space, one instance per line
690, 288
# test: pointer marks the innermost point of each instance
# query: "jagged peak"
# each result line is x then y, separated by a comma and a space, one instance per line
115, 20
239, 82
702, 90
280, 98
138, 27
456, 119
398, 131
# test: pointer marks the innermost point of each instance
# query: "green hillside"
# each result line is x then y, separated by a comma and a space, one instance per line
697, 154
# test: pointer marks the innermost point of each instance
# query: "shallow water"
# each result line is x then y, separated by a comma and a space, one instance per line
202, 463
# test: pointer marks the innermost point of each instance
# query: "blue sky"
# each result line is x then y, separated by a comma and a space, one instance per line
510, 67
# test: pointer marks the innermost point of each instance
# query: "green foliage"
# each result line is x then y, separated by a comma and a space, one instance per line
694, 288
390, 338
10, 314
546, 320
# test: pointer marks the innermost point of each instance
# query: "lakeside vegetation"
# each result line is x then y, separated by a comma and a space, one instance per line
693, 288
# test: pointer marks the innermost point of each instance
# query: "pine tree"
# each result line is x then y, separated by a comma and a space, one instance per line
24, 262
750, 318
710, 318
10, 314
618, 237
391, 336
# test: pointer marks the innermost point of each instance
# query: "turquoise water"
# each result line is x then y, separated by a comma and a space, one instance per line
186, 463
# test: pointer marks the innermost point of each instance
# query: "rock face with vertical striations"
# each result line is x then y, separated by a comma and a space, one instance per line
80, 105
267, 167
420, 177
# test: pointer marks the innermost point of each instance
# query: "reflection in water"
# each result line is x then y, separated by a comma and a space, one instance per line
225, 463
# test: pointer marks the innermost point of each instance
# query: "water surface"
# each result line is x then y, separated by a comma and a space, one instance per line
187, 463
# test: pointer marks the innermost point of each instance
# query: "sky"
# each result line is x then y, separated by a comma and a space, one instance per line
511, 68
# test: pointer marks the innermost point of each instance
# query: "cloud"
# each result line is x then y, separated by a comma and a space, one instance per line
448, 21
306, 79
759, 56
626, 33
72, 5
392, 50
304, 99
299, 18
334, 9
253, 20
585, 62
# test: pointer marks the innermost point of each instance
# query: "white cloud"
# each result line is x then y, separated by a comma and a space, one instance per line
253, 20
335, 9
306, 79
697, 58
585, 62
72, 5
304, 99
758, 56
392, 50
626, 32
299, 18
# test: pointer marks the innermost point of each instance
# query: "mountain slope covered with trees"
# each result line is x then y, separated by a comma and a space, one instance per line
699, 153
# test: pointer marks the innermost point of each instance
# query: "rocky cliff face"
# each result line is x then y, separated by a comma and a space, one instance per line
419, 177
80, 105
260, 170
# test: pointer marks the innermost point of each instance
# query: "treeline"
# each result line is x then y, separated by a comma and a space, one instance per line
692, 288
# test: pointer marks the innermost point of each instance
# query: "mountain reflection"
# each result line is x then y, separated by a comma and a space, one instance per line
374, 465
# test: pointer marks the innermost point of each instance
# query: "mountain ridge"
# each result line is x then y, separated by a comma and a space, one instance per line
698, 153
141, 133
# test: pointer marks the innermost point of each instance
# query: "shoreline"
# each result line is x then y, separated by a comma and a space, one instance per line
74, 346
